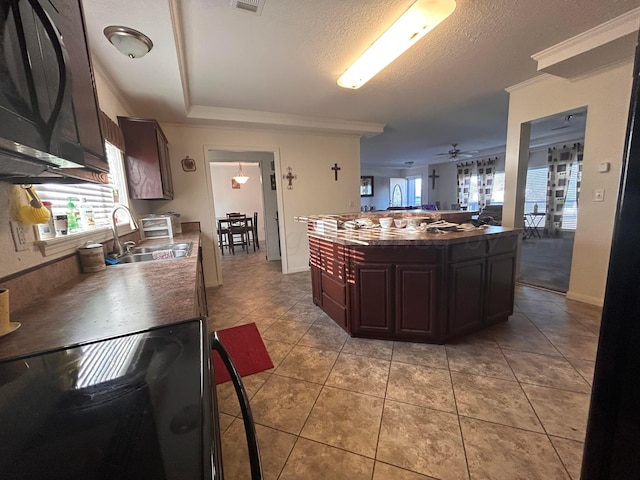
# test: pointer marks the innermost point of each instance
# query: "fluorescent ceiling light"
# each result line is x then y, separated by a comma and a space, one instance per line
415, 23
240, 177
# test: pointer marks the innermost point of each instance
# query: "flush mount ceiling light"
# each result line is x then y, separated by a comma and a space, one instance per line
240, 177
130, 42
415, 23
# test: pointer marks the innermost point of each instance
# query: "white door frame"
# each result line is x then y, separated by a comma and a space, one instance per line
211, 204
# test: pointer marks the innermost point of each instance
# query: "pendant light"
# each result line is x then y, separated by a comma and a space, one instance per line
240, 177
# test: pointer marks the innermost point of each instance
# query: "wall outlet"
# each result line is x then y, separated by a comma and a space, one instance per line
19, 236
352, 203
598, 195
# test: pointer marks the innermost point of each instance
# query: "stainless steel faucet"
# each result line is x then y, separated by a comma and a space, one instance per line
117, 247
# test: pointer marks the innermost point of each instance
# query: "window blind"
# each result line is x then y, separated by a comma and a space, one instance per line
536, 190
101, 197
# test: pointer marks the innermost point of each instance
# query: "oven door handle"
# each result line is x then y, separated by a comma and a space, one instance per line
245, 408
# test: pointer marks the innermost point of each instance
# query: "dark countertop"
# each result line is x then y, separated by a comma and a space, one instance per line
121, 299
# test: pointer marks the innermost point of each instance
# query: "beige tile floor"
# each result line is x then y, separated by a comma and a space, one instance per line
506, 403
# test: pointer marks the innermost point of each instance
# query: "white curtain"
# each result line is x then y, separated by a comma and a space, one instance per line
465, 171
561, 160
486, 171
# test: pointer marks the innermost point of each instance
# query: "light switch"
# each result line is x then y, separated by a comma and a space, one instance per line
598, 195
603, 167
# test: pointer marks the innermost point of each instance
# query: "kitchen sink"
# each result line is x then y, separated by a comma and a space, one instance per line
176, 247
156, 252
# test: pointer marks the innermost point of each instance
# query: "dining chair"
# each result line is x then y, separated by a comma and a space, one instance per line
223, 236
237, 231
254, 226
252, 231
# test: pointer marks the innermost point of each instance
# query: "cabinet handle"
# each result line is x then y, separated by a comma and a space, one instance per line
243, 399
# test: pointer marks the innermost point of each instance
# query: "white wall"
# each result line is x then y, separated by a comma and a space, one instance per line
315, 191
606, 96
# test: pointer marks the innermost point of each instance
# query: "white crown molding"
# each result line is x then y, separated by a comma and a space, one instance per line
626, 24
178, 37
528, 83
108, 79
271, 119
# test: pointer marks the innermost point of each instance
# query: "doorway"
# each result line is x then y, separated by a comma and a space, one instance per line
551, 201
256, 195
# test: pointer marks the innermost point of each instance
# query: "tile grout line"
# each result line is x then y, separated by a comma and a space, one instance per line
455, 402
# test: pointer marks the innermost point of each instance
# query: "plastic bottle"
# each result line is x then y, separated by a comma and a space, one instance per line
47, 230
73, 216
87, 217
535, 208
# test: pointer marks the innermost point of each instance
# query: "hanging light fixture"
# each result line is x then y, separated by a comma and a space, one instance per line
128, 41
421, 17
240, 177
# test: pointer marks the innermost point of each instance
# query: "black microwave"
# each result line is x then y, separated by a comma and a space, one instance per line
49, 116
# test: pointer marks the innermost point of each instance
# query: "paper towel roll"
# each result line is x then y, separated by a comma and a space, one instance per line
4, 309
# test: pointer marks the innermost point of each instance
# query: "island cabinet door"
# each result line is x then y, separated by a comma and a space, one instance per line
466, 299
500, 287
416, 301
373, 298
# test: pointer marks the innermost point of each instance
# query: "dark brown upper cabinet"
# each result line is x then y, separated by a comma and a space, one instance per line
146, 159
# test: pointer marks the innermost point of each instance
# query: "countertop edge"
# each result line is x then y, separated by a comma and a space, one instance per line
356, 238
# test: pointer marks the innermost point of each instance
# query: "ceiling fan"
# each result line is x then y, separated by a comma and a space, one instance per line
455, 152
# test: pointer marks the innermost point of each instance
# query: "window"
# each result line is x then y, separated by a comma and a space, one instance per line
396, 197
570, 210
414, 191
535, 192
497, 194
473, 193
101, 198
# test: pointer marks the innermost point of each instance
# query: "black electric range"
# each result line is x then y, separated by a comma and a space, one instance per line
137, 407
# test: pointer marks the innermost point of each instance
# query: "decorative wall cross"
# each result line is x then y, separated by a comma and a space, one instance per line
433, 177
335, 169
289, 177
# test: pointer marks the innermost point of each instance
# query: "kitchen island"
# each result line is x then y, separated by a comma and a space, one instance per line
404, 284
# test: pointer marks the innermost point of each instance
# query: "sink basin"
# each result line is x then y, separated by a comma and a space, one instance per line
156, 252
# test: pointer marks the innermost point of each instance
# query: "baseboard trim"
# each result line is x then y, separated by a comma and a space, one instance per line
578, 297
298, 270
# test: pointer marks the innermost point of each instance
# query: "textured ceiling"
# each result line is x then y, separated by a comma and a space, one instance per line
447, 88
